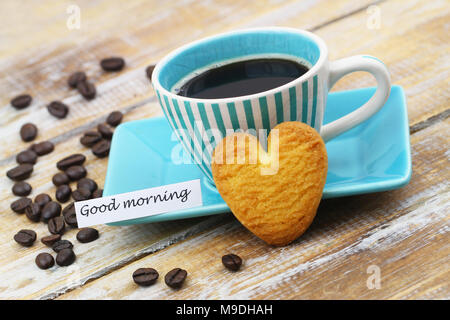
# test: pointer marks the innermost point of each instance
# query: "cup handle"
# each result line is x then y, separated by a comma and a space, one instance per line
340, 68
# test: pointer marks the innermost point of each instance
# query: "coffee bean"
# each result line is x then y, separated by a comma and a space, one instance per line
175, 278
105, 131
114, 118
112, 64
149, 71
101, 149
33, 212
145, 276
27, 156
87, 183
21, 189
21, 172
232, 262
61, 245
20, 204
70, 216
56, 225
42, 199
21, 102
86, 235
25, 237
44, 260
63, 193
43, 148
86, 89
90, 138
51, 239
28, 132
72, 160
81, 194
65, 257
60, 178
75, 78
76, 172
97, 194
58, 109
50, 210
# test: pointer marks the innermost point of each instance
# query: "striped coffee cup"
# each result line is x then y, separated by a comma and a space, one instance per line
200, 124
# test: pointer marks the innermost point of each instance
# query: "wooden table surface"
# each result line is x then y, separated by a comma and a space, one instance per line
403, 233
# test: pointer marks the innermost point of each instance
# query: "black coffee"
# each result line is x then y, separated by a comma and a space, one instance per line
242, 78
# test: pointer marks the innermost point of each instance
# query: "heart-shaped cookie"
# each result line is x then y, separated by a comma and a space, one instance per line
274, 194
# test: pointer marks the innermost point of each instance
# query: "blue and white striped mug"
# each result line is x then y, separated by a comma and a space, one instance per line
201, 123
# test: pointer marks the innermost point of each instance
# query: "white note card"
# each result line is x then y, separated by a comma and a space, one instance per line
138, 204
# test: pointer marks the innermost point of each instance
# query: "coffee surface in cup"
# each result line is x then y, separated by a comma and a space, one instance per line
242, 78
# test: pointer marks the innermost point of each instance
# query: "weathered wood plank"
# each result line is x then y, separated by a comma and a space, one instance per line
131, 87
124, 91
398, 50
44, 73
403, 232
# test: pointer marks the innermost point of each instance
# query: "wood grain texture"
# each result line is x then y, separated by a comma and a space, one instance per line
44, 72
407, 239
411, 41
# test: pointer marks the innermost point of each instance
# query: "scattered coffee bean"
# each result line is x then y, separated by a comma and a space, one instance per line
175, 278
112, 64
90, 138
58, 109
25, 237
28, 132
63, 193
50, 210
20, 204
145, 276
43, 148
86, 89
86, 235
232, 262
75, 78
60, 178
21, 189
72, 160
114, 118
21, 172
51, 239
61, 245
33, 212
70, 216
101, 149
42, 199
81, 194
56, 225
76, 172
44, 260
27, 156
65, 257
87, 183
105, 131
21, 102
149, 71
97, 194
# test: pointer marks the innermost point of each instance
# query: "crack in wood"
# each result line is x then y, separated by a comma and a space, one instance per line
429, 122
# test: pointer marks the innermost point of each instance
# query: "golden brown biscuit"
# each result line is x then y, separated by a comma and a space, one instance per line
274, 194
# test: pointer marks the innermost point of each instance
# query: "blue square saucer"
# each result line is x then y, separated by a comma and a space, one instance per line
374, 156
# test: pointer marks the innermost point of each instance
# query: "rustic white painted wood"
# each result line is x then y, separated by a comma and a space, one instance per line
330, 261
